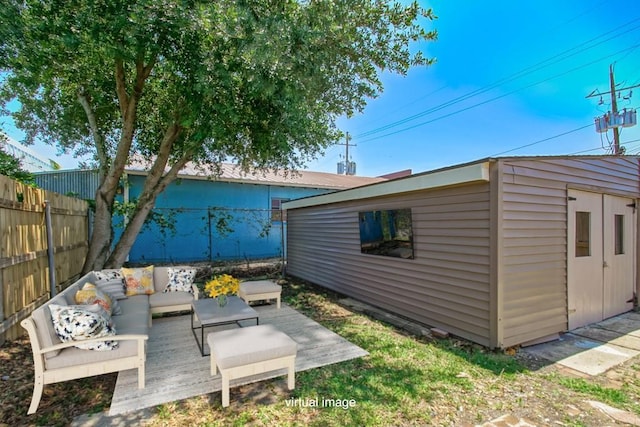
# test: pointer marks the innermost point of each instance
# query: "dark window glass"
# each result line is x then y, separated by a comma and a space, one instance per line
583, 234
387, 233
619, 234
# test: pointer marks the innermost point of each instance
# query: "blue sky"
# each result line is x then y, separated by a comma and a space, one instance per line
510, 77
508, 74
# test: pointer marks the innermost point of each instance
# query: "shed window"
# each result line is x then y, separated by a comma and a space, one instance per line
387, 233
583, 234
277, 214
619, 234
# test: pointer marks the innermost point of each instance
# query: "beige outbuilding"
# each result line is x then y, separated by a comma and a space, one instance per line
501, 251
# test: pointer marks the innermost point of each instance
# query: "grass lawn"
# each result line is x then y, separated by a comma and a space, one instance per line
405, 380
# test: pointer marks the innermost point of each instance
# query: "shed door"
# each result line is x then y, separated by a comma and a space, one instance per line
585, 256
601, 251
619, 255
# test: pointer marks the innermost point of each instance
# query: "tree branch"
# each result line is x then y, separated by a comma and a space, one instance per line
157, 169
171, 175
121, 88
130, 112
98, 139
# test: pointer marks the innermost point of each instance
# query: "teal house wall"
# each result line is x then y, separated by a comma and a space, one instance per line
198, 218
212, 221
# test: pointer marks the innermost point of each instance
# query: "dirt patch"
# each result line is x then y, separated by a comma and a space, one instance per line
60, 402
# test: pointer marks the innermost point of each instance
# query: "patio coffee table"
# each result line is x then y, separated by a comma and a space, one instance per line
207, 313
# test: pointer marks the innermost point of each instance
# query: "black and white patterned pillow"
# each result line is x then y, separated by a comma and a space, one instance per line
112, 282
180, 279
79, 322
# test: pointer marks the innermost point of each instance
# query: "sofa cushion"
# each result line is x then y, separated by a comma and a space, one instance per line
75, 357
136, 323
79, 323
135, 304
164, 299
237, 347
180, 279
138, 281
111, 281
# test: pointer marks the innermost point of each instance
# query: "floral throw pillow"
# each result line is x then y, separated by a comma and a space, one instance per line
90, 294
138, 281
180, 279
74, 323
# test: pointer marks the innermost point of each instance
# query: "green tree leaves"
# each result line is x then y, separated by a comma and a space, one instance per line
257, 82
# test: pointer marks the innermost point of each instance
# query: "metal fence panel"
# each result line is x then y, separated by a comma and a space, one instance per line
212, 234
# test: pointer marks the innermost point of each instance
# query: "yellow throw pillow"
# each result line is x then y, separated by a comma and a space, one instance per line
90, 294
138, 281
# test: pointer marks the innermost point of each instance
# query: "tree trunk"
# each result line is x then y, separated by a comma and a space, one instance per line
131, 231
110, 175
154, 184
102, 236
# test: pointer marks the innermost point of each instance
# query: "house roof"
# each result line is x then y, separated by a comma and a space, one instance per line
231, 173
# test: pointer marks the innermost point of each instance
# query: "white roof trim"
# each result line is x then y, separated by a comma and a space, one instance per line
442, 178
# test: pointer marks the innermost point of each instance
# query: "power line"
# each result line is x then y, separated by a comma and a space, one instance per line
562, 25
543, 140
528, 70
495, 98
602, 148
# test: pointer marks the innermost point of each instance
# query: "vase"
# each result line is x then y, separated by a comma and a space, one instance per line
222, 300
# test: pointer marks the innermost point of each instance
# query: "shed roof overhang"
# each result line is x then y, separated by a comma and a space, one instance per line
465, 174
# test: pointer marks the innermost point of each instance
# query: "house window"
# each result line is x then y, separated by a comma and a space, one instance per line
387, 233
619, 234
583, 234
277, 214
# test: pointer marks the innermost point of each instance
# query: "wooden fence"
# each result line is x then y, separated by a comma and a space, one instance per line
24, 268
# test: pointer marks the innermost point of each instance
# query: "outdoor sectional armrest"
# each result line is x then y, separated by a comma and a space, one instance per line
126, 337
196, 291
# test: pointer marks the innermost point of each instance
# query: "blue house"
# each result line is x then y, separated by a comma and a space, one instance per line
234, 216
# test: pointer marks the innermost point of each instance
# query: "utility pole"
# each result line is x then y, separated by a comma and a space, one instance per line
348, 170
346, 144
614, 120
614, 111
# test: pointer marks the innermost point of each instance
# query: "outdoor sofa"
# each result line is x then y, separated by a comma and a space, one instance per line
118, 341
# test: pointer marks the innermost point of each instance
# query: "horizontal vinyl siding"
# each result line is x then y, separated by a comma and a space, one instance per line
533, 276
446, 285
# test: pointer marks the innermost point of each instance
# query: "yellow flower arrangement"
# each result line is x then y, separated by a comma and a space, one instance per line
222, 285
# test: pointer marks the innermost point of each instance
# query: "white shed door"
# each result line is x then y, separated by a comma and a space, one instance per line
601, 253
619, 254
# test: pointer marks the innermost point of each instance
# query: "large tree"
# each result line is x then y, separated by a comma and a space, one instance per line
259, 82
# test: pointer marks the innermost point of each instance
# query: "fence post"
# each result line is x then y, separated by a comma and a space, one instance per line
1, 307
52, 266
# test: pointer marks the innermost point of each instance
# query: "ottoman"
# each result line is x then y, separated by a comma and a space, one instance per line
251, 350
260, 290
